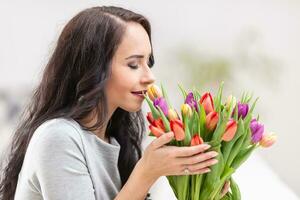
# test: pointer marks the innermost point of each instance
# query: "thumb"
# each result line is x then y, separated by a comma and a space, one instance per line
162, 140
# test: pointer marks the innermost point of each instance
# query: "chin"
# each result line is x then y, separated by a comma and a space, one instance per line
132, 110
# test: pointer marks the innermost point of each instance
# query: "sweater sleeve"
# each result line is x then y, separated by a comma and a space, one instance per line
60, 165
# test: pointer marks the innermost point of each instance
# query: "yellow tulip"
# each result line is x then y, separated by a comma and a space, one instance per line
186, 110
154, 92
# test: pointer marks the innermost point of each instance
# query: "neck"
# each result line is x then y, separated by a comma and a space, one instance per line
91, 119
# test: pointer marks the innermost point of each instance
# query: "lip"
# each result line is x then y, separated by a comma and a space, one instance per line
139, 96
141, 92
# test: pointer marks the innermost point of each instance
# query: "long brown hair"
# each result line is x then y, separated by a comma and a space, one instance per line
72, 85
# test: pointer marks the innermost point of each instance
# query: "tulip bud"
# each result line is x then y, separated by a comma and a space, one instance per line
230, 130
191, 101
156, 131
158, 123
212, 120
150, 118
172, 114
207, 102
231, 100
257, 130
196, 140
162, 104
268, 140
186, 110
178, 129
154, 92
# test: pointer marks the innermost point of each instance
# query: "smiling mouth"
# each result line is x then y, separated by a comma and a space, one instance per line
139, 93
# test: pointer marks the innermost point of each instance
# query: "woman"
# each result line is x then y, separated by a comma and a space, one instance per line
80, 137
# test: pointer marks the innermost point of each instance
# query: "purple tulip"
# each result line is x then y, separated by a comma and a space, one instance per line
257, 130
243, 109
162, 104
191, 101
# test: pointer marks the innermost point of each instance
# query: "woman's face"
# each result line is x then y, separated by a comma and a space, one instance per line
131, 74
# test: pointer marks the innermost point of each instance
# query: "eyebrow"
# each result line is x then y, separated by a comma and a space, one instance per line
136, 56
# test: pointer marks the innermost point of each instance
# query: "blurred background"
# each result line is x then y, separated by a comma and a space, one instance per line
250, 45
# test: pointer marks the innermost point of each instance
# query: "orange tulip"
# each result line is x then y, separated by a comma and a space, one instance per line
196, 139
230, 130
207, 102
212, 120
156, 131
178, 129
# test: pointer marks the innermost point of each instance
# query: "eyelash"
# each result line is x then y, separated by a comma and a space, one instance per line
136, 66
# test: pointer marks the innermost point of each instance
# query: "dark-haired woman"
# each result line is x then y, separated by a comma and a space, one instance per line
80, 136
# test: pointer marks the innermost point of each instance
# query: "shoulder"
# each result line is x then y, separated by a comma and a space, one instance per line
55, 134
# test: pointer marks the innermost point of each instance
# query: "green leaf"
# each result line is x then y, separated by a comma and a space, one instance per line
165, 120
165, 95
218, 99
242, 156
236, 194
154, 111
187, 137
184, 93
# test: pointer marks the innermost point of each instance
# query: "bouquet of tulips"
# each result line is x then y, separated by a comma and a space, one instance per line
229, 128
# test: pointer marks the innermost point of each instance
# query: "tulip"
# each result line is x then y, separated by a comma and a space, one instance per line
230, 100
196, 139
268, 140
162, 104
150, 118
191, 101
230, 130
186, 110
243, 109
172, 114
207, 102
158, 123
154, 92
178, 129
156, 131
212, 120
257, 130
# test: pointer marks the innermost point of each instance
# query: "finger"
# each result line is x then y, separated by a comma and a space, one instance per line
225, 188
202, 165
200, 171
190, 151
197, 158
162, 140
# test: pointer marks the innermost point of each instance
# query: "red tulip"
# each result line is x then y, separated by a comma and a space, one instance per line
207, 102
196, 139
158, 123
156, 131
230, 130
212, 120
150, 118
178, 129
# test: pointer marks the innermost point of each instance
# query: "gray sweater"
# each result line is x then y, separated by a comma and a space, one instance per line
65, 162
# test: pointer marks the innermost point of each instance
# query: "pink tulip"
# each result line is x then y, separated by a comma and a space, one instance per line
212, 120
207, 102
268, 140
230, 130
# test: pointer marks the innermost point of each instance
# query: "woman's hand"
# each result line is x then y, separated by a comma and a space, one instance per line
161, 160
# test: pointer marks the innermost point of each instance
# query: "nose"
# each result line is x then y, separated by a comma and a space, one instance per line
148, 77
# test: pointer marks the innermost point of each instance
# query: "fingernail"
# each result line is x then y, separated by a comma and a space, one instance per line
171, 134
206, 146
207, 170
214, 161
214, 153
